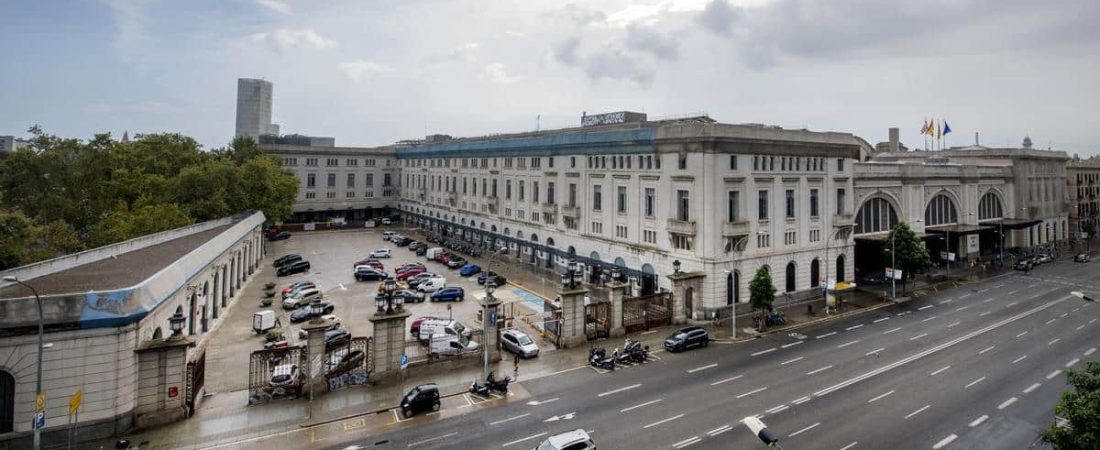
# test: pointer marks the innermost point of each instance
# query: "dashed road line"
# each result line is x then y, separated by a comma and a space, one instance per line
1054, 374
944, 302
918, 411
777, 409
985, 314
1007, 403
719, 430
943, 443
961, 308
880, 397
891, 330
752, 392
686, 442
640, 405
509, 419
792, 344
880, 320
1073, 361
796, 433
1050, 321
819, 370
853, 327
953, 324
875, 351
528, 438
991, 347
1032, 388
928, 318
922, 308
1011, 304
1064, 315
764, 351
846, 447
1090, 351
826, 335
425, 441
979, 380
801, 400
725, 380
937, 372
978, 421
918, 336
1054, 341
1021, 334
848, 343
964, 295
1019, 359
616, 391
659, 422
800, 358
987, 300
708, 366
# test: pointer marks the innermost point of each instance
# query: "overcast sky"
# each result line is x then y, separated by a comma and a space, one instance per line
373, 72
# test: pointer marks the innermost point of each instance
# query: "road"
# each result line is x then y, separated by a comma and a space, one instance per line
979, 366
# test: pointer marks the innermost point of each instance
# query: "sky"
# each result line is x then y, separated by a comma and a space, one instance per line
374, 72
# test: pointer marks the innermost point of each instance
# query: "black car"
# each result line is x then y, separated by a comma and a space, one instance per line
403, 242
305, 313
498, 279
365, 273
1023, 264
422, 250
686, 338
421, 398
408, 295
344, 361
287, 258
292, 268
336, 338
279, 236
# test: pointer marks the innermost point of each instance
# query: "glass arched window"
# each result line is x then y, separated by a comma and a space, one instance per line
990, 207
815, 273
790, 277
875, 215
941, 210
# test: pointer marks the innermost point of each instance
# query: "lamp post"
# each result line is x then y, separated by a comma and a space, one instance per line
490, 286
38, 374
676, 266
388, 302
825, 285
733, 307
175, 323
893, 261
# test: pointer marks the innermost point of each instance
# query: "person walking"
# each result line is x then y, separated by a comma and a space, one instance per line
515, 367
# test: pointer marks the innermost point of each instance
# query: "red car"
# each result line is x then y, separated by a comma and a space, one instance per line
409, 273
415, 327
369, 262
409, 266
443, 257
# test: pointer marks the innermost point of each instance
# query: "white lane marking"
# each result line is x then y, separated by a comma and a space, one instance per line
567, 370
764, 351
872, 352
727, 379
528, 438
880, 397
922, 308
1021, 334
1019, 359
927, 319
791, 361
1050, 321
792, 344
826, 335
659, 422
891, 330
640, 405
944, 302
1054, 341
542, 402
937, 372
918, 411
777, 409
799, 401
796, 433
943, 443
853, 327
1093, 320
1073, 361
1090, 351
991, 347
708, 366
953, 324
819, 370
751, 392
1054, 374
979, 380
847, 343
616, 391
918, 336
1064, 315
987, 300
509, 419
719, 430
1080, 327
425, 441
1032, 388
1011, 292
880, 320
1007, 403
985, 313
1011, 304
846, 447
961, 308
964, 295
686, 442
978, 421
1076, 309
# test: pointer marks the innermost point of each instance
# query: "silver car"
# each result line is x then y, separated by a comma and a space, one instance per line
519, 343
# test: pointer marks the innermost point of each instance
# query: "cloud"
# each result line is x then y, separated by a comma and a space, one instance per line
359, 70
580, 16
645, 39
498, 75
142, 107
274, 5
616, 64
131, 23
566, 51
718, 17
285, 39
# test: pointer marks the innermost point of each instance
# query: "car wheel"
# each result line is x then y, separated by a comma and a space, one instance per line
706, 343
435, 406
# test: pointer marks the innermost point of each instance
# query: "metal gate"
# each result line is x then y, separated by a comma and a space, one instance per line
648, 311
261, 368
348, 365
196, 379
552, 322
597, 320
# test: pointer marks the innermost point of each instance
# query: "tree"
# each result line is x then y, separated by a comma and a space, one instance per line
761, 290
16, 231
243, 148
912, 256
1081, 408
267, 187
123, 223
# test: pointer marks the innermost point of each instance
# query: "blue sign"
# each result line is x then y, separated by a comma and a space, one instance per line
493, 318
39, 420
404, 361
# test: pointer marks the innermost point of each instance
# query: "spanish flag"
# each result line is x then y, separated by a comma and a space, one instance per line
939, 132
924, 127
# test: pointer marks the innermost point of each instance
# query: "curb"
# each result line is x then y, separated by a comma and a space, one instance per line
806, 324
366, 412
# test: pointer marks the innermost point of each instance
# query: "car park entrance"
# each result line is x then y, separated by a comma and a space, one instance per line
647, 311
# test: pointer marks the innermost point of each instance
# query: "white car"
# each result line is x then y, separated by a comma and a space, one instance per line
432, 284
302, 297
334, 323
388, 235
573, 440
387, 222
518, 342
381, 253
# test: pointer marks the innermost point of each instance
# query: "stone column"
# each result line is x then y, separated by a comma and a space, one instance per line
681, 281
161, 381
315, 354
389, 342
618, 292
572, 314
490, 337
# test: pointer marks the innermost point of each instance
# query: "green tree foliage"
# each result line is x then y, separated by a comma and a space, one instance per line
761, 290
1081, 408
66, 195
912, 256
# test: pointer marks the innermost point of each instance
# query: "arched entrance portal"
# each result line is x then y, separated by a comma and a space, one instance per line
7, 402
688, 294
840, 268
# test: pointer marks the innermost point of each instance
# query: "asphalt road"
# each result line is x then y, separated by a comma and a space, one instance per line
979, 366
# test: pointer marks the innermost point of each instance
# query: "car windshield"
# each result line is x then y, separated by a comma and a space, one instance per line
280, 378
546, 445
678, 336
459, 327
524, 340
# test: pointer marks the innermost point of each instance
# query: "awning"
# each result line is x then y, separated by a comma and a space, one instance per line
884, 238
961, 229
1012, 224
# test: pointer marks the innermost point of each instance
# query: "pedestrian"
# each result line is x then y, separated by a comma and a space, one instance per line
515, 367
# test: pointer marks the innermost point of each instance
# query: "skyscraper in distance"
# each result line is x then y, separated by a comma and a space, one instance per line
254, 108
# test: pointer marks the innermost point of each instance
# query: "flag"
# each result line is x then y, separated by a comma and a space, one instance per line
931, 128
946, 127
939, 131
924, 127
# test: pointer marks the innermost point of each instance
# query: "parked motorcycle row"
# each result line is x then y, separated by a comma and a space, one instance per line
633, 353
463, 247
491, 385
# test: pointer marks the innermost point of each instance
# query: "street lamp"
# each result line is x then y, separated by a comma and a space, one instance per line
38, 375
733, 307
175, 323
387, 303
676, 266
315, 310
490, 286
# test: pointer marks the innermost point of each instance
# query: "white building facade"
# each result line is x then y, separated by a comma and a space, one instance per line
348, 183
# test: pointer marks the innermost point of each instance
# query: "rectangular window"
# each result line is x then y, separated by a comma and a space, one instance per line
622, 199
351, 180
311, 195
311, 180
650, 201
572, 162
649, 236
815, 235
597, 228
620, 231
813, 202
840, 201
572, 195
370, 194
733, 162
370, 179
733, 207
683, 162
521, 190
755, 162
597, 198
681, 242
570, 223
386, 180
550, 162
330, 194
550, 193
762, 205
464, 183
683, 205
311, 161
534, 191
790, 203
763, 241
790, 238
353, 162
840, 164
351, 194
333, 162
494, 189
331, 180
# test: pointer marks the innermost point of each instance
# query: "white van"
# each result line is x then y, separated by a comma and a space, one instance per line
432, 284
432, 252
388, 235
445, 344
302, 298
441, 327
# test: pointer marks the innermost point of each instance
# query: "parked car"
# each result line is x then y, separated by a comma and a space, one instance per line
403, 242
432, 284
302, 297
421, 398
369, 261
306, 312
285, 380
486, 276
333, 324
410, 266
408, 295
1023, 264
571, 440
421, 250
381, 253
279, 236
293, 268
415, 280
386, 221
387, 235
413, 245
410, 273
1046, 258
287, 258
344, 360
456, 262
368, 273
469, 269
519, 343
297, 290
451, 294
295, 285
336, 338
1082, 257
414, 327
686, 338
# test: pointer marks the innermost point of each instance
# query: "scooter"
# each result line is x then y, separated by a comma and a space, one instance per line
479, 389
597, 357
500, 385
636, 352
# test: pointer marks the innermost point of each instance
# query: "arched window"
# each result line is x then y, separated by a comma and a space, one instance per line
7, 402
840, 268
941, 210
815, 273
990, 207
875, 215
790, 277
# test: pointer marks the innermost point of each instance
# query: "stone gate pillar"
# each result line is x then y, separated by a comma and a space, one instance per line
687, 287
490, 337
618, 292
572, 314
389, 342
162, 372
315, 353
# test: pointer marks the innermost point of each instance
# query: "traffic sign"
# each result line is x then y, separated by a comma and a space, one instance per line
74, 401
404, 361
39, 420
493, 318
40, 401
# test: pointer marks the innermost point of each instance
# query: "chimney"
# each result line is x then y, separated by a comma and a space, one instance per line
893, 140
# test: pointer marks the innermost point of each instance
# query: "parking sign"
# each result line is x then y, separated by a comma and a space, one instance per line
404, 361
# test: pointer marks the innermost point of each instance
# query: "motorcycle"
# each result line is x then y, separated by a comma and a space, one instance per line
621, 358
479, 389
500, 385
597, 357
636, 352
